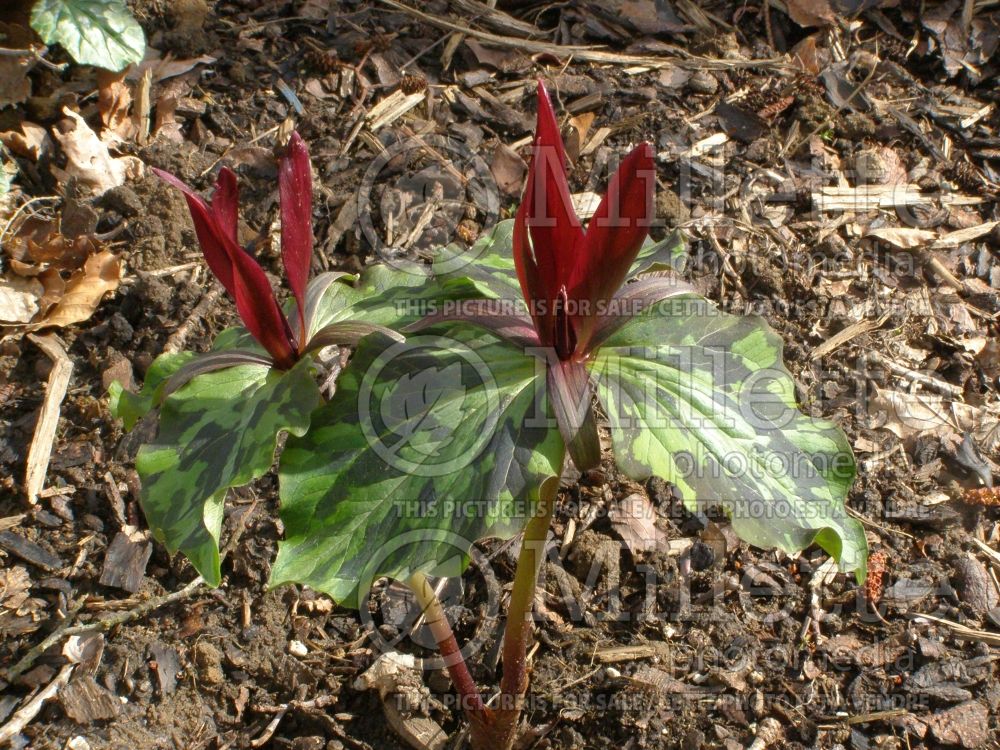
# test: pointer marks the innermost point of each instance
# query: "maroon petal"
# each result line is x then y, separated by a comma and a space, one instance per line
208, 231
552, 221
546, 229
295, 191
615, 234
240, 274
225, 203
259, 310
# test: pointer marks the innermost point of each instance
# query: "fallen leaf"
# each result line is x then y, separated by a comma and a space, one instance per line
85, 290
114, 101
578, 136
908, 415
634, 520
811, 12
19, 299
88, 159
29, 140
167, 67
508, 170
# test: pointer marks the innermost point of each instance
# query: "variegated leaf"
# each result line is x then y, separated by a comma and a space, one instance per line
426, 447
702, 399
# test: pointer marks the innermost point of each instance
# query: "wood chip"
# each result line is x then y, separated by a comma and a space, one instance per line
29, 551
126, 560
85, 702
392, 108
45, 429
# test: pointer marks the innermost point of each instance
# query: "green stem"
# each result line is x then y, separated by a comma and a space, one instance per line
437, 621
500, 731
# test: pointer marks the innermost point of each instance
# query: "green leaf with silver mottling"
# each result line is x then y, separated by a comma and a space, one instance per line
94, 32
702, 399
426, 447
216, 432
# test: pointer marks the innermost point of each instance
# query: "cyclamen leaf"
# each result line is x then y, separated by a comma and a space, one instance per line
426, 447
93, 32
218, 431
703, 400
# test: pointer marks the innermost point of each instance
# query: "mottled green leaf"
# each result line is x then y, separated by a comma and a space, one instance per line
426, 447
218, 431
93, 32
702, 399
669, 254
131, 407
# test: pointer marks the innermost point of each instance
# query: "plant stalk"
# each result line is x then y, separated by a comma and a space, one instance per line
500, 731
437, 621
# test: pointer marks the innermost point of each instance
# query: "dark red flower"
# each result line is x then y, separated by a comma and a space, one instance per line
568, 275
215, 224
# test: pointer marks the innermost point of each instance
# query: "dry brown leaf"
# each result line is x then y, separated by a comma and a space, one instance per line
634, 520
167, 67
508, 170
88, 159
811, 12
905, 238
908, 415
807, 54
29, 141
578, 136
19, 299
85, 290
114, 101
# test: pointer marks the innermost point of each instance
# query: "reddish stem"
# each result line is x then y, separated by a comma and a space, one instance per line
437, 621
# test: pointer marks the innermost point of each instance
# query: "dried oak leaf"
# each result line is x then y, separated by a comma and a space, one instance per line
85, 289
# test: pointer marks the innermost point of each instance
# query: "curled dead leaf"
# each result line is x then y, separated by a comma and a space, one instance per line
88, 159
100, 275
29, 140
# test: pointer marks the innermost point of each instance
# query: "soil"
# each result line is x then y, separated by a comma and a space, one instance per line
702, 641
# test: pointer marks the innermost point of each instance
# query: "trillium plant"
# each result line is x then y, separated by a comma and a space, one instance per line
469, 384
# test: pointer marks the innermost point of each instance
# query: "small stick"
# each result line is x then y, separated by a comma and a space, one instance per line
178, 338
30, 710
48, 421
106, 623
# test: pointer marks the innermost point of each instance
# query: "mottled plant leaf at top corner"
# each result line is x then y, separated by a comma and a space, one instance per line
94, 32
703, 400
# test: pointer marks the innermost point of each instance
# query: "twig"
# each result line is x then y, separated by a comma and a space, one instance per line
939, 386
35, 53
582, 53
30, 710
48, 421
177, 339
960, 631
103, 624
